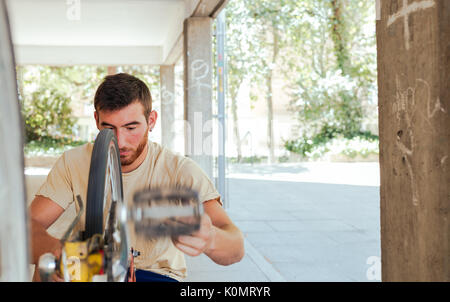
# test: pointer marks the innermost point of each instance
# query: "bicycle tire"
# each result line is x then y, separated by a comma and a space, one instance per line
104, 143
106, 158
14, 247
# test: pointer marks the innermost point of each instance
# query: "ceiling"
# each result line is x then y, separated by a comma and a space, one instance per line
102, 32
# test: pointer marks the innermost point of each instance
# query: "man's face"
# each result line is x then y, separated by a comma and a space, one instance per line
130, 127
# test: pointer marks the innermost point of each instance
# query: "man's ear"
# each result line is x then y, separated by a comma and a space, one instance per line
152, 117
97, 121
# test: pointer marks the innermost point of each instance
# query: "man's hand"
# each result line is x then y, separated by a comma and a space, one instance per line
56, 277
199, 242
218, 238
44, 212
43, 243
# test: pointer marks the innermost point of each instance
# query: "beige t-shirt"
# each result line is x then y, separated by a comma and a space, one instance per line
161, 168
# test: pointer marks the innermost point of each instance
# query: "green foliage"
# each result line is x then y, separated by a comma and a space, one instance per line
283, 159
47, 113
324, 49
248, 160
335, 73
305, 145
245, 46
49, 145
46, 94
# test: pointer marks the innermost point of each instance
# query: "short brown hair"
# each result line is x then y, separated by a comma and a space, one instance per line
120, 90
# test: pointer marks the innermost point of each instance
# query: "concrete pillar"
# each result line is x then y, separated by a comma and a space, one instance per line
167, 81
414, 105
198, 91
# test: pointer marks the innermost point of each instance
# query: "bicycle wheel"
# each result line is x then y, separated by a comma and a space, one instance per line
14, 252
105, 209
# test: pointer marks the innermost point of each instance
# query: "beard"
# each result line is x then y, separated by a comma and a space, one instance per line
129, 159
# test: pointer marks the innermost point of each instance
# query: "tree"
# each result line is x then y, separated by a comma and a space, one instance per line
338, 35
46, 93
269, 20
253, 43
236, 69
336, 75
242, 60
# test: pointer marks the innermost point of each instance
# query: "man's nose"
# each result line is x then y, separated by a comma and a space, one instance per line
120, 139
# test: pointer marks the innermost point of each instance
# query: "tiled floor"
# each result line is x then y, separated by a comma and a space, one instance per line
300, 230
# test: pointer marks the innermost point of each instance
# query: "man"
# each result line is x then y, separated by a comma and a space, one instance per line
123, 104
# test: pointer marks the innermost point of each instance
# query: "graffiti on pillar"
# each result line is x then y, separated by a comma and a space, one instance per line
199, 71
406, 111
404, 108
443, 160
167, 97
404, 13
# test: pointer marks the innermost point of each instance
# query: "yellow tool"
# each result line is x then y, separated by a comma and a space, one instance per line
80, 263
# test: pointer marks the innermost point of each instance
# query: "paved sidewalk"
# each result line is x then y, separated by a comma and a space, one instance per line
302, 222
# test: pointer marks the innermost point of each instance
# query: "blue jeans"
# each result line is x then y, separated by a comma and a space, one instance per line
147, 276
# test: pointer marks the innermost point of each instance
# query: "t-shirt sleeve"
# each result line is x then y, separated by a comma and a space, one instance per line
58, 185
190, 175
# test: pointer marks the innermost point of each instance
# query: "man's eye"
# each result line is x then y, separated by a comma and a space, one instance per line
131, 128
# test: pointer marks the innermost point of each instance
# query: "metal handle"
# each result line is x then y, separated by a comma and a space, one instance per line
47, 266
75, 221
